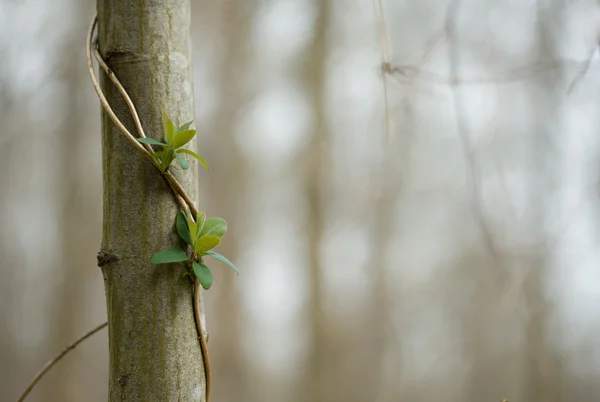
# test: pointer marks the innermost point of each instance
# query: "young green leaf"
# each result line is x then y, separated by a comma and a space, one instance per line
222, 259
183, 138
200, 220
182, 228
169, 255
185, 127
182, 162
206, 243
196, 156
193, 230
214, 227
151, 141
203, 274
167, 158
169, 128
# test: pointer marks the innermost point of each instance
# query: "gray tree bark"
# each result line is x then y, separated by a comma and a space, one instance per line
154, 350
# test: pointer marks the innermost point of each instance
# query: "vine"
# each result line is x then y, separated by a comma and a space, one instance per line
200, 234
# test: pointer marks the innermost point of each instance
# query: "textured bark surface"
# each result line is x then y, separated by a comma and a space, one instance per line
154, 350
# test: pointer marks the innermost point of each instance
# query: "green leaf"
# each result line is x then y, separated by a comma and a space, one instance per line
206, 243
150, 141
196, 156
185, 127
214, 227
193, 230
183, 138
203, 274
167, 158
182, 162
169, 128
182, 228
222, 259
169, 255
200, 220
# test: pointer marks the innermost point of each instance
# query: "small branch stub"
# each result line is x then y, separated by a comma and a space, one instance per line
106, 257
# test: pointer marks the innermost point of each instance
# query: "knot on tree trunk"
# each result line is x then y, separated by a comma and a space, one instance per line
106, 257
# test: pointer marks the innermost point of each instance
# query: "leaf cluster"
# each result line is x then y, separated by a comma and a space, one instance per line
203, 235
172, 148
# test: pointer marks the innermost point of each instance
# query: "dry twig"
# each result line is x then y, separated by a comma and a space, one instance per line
386, 67
473, 179
52, 362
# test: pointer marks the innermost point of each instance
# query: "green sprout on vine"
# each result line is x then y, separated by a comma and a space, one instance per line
175, 138
203, 236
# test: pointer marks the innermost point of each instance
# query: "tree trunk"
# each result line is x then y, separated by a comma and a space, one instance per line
314, 70
541, 379
154, 350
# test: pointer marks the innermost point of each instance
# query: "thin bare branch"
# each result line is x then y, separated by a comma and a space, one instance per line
582, 72
511, 75
472, 176
385, 64
431, 46
52, 362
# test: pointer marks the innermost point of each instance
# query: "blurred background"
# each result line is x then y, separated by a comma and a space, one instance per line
426, 231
